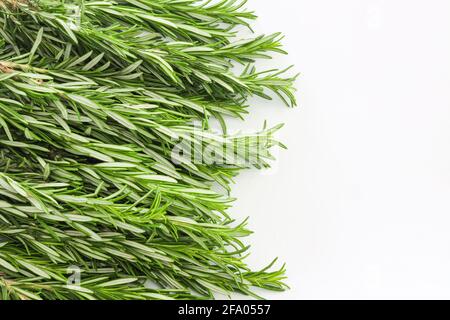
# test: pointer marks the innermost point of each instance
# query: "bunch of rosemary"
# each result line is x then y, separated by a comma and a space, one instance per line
95, 96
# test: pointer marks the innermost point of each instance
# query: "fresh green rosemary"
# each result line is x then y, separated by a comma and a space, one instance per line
95, 98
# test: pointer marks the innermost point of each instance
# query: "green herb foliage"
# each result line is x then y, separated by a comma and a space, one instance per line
94, 97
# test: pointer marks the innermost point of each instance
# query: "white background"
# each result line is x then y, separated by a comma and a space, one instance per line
358, 207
